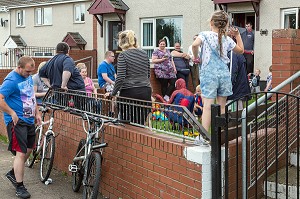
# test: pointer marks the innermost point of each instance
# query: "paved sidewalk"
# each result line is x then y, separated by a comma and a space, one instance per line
61, 188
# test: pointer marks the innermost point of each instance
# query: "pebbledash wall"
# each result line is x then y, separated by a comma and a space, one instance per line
139, 163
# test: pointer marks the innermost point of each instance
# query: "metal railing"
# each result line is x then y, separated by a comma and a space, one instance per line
10, 58
170, 119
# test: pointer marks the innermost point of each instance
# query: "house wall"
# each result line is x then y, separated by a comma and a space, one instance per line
194, 14
4, 31
62, 20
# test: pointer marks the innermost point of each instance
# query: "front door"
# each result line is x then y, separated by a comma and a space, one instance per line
114, 27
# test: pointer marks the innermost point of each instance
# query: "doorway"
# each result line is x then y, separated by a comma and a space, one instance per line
114, 27
240, 19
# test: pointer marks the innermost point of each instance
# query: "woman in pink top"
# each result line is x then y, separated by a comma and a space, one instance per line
88, 82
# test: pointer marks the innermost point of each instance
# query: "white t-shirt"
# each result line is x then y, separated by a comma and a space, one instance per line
190, 53
211, 41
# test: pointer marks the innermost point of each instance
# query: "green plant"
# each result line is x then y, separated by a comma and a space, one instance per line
3, 139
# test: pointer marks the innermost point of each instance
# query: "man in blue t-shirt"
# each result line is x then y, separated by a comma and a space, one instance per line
248, 40
18, 102
106, 72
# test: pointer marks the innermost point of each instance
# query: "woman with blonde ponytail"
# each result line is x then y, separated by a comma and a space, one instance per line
133, 76
215, 81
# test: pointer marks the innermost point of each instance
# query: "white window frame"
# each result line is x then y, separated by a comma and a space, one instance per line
42, 54
289, 11
41, 16
153, 21
20, 18
81, 8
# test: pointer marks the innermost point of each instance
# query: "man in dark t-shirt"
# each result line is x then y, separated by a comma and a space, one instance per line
60, 71
248, 40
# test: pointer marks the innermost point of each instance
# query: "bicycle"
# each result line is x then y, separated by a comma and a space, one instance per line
44, 147
86, 165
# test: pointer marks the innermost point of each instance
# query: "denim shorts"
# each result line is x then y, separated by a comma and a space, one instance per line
215, 81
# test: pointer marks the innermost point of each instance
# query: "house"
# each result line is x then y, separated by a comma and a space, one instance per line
97, 22
48, 22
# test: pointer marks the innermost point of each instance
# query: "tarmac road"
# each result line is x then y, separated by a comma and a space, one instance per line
61, 188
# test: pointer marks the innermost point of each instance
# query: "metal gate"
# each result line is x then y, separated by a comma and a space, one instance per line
261, 147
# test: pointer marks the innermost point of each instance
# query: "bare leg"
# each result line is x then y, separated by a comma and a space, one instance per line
222, 102
19, 164
206, 116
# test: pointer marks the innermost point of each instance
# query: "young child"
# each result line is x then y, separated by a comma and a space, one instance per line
269, 80
198, 107
215, 76
254, 79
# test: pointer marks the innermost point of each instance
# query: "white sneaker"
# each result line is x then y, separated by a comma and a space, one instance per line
199, 140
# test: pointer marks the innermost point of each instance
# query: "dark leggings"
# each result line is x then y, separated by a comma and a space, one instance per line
167, 86
184, 77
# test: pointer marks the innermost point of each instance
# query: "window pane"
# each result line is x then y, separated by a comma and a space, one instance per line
38, 16
82, 12
290, 21
77, 12
47, 16
169, 29
147, 34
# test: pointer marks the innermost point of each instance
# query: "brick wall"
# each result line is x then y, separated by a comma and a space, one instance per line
285, 56
137, 163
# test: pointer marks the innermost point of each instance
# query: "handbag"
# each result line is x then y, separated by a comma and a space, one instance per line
181, 65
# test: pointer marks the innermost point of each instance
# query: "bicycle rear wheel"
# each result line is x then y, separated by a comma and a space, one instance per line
91, 188
48, 158
78, 176
33, 156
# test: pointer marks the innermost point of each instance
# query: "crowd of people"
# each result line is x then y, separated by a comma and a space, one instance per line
220, 64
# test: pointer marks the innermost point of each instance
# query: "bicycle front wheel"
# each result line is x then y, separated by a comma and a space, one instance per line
47, 158
91, 188
78, 175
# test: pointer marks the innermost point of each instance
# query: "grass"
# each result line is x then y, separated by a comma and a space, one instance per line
3, 139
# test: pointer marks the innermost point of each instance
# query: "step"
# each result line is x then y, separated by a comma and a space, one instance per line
292, 184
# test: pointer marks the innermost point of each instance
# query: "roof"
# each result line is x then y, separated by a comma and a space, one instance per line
234, 1
15, 41
10, 4
74, 39
108, 6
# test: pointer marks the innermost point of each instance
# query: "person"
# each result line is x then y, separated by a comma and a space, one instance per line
88, 82
164, 69
40, 88
198, 107
17, 101
269, 80
194, 66
106, 72
215, 77
181, 61
133, 79
248, 41
254, 79
60, 71
181, 96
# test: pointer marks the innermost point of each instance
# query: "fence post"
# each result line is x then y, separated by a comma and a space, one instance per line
216, 164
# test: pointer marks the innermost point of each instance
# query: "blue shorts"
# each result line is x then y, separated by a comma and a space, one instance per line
215, 81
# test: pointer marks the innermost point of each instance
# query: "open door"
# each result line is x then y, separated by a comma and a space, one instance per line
114, 27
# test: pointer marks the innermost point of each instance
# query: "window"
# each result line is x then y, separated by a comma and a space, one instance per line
79, 12
20, 18
290, 18
168, 28
43, 54
43, 16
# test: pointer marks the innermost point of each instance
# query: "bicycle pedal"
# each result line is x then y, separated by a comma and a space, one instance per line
73, 168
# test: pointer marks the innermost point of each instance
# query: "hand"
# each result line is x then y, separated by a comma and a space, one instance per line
106, 95
252, 52
234, 31
64, 87
196, 60
38, 119
15, 118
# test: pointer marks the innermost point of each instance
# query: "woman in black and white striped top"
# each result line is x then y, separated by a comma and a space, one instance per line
133, 69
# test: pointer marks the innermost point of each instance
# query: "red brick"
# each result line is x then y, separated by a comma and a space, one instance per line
173, 175
137, 146
148, 165
166, 180
165, 163
179, 169
174, 192
141, 155
160, 154
148, 150
283, 41
160, 170
153, 159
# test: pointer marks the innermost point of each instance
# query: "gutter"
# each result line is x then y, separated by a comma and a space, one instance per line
46, 4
